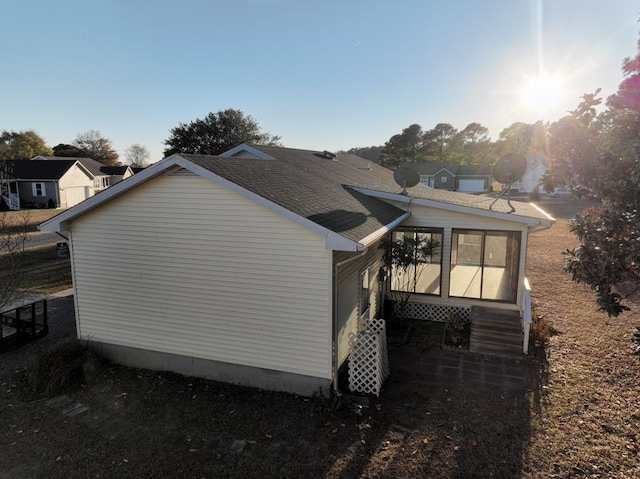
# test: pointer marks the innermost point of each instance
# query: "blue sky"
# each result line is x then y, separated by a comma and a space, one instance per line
322, 74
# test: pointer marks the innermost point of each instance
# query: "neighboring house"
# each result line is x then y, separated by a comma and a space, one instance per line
45, 184
454, 177
536, 168
254, 267
56, 182
103, 176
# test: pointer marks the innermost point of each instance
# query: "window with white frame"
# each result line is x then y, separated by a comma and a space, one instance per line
38, 189
485, 264
419, 278
443, 179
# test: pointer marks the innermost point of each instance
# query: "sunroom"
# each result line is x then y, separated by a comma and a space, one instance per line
477, 270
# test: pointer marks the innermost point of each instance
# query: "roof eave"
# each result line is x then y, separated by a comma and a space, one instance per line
529, 221
376, 235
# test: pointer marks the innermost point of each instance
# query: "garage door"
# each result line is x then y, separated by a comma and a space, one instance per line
471, 186
75, 195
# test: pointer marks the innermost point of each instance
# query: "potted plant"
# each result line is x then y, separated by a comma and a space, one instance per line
454, 327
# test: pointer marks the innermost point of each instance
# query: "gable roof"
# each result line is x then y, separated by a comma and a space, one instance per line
343, 198
114, 170
433, 168
375, 180
475, 170
94, 167
38, 169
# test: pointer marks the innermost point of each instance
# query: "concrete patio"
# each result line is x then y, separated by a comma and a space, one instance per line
423, 358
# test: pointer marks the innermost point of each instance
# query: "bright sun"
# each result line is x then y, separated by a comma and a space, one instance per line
543, 92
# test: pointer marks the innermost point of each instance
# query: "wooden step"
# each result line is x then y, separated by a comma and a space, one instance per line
496, 333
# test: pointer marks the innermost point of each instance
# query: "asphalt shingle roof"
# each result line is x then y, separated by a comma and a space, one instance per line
323, 189
38, 169
95, 167
353, 171
302, 185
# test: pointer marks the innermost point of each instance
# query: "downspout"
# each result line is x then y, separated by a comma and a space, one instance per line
335, 316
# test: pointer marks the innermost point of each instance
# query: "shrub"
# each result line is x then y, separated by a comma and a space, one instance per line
635, 339
61, 367
540, 333
535, 195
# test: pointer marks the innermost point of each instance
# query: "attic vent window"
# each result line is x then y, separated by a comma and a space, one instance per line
328, 155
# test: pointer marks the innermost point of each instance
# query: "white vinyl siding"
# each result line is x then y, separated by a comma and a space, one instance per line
75, 186
75, 195
349, 293
184, 266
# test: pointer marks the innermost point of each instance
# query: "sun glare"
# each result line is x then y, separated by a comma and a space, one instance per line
543, 92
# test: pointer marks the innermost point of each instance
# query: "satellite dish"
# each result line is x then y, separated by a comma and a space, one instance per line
406, 177
509, 168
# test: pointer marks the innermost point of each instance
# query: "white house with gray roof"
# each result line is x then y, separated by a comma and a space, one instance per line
254, 266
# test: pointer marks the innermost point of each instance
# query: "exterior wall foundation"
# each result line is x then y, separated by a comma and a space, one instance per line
215, 370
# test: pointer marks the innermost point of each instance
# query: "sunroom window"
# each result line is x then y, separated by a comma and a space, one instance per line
485, 264
422, 278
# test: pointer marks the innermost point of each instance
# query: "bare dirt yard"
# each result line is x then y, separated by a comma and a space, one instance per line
578, 416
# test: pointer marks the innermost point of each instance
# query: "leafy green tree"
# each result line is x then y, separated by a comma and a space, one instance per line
441, 143
474, 145
67, 151
405, 147
216, 133
609, 250
573, 146
93, 145
22, 145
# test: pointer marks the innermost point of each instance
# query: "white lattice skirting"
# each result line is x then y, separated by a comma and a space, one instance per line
368, 359
433, 312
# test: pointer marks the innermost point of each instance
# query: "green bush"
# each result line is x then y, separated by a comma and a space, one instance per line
62, 367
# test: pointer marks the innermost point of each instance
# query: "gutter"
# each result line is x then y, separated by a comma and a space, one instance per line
376, 235
334, 366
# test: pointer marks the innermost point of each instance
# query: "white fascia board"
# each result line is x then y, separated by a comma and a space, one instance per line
551, 218
376, 235
82, 168
248, 149
59, 223
529, 221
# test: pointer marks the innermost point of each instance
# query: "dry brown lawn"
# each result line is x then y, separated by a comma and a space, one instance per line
587, 422
579, 419
30, 218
